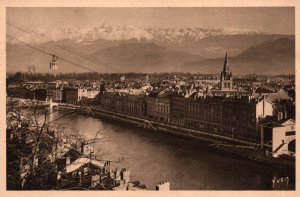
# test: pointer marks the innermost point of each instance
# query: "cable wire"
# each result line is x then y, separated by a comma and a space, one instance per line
31, 46
35, 34
44, 52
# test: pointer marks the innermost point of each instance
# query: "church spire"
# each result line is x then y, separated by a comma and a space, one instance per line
226, 76
226, 64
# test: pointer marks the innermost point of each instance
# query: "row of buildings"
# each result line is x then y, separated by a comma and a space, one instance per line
212, 105
58, 91
236, 117
226, 111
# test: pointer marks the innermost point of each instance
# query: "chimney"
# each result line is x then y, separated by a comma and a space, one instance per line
163, 186
82, 147
59, 175
125, 176
68, 160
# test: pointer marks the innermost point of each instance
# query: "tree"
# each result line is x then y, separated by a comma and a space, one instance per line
32, 148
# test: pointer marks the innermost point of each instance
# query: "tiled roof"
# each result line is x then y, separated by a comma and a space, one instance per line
81, 162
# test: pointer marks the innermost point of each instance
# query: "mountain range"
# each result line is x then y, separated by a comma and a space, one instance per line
270, 57
131, 49
128, 32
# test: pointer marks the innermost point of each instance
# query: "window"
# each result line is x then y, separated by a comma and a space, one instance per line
85, 170
289, 133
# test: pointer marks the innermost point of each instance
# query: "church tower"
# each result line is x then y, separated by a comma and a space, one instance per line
226, 76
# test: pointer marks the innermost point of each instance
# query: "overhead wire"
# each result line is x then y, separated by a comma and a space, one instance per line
44, 52
31, 46
48, 42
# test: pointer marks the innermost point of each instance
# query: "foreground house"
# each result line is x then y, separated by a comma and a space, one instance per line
278, 137
82, 173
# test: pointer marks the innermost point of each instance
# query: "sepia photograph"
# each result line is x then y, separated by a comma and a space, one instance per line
150, 98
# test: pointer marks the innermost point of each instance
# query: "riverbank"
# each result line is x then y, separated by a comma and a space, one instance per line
231, 146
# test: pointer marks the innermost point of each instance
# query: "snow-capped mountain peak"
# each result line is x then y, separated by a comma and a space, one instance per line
127, 32
232, 30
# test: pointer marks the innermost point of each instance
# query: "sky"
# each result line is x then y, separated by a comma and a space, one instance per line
277, 20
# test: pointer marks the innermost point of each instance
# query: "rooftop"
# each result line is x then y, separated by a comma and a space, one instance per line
81, 162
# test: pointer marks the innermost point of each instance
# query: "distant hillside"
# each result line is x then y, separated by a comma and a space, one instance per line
143, 57
249, 52
19, 57
279, 48
216, 46
270, 57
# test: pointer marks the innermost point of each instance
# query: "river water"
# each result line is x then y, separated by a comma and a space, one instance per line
153, 157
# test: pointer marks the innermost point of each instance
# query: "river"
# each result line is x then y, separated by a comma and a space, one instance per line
153, 157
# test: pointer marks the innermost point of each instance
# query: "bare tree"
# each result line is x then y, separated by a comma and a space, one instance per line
32, 147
